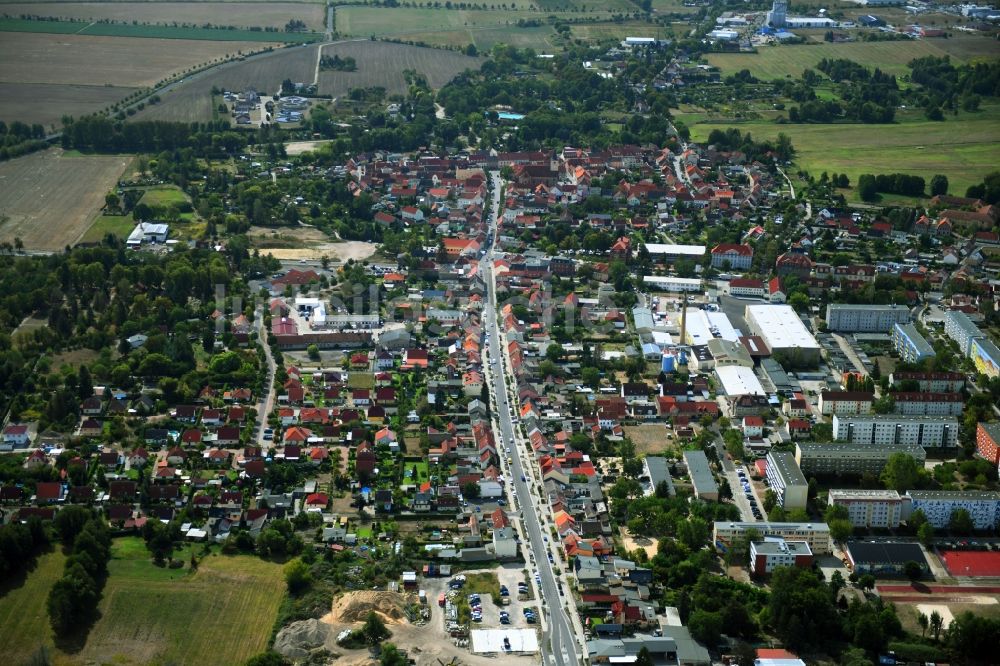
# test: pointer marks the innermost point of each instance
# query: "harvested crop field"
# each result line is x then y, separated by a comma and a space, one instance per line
51, 199
79, 60
192, 100
382, 64
239, 14
47, 103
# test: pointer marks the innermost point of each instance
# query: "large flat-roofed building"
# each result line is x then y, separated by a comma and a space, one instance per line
774, 552
920, 403
737, 380
939, 505
883, 557
960, 328
817, 535
840, 459
784, 333
895, 429
845, 318
909, 344
667, 251
702, 326
988, 441
701, 475
672, 283
786, 479
937, 382
869, 508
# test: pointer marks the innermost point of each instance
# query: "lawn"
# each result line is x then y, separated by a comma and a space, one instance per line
163, 196
777, 62
416, 472
963, 148
152, 31
24, 622
220, 614
119, 225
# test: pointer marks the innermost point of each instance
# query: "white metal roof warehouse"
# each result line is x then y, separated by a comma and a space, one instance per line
780, 327
737, 380
522, 641
670, 283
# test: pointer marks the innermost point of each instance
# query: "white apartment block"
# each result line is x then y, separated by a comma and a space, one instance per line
786, 480
817, 535
929, 404
841, 317
897, 430
960, 328
938, 505
869, 508
845, 402
936, 382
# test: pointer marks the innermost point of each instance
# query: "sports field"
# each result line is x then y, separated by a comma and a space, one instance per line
964, 148
777, 62
239, 14
51, 199
971, 563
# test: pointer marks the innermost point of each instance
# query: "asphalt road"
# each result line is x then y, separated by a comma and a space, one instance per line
267, 393
558, 639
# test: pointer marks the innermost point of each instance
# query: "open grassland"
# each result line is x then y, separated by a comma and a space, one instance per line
191, 101
154, 615
116, 225
381, 64
777, 62
164, 196
150, 31
51, 199
47, 103
597, 32
114, 61
24, 621
964, 148
239, 14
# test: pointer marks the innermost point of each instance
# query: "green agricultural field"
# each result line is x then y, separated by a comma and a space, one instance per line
119, 225
403, 21
597, 32
24, 621
777, 62
964, 148
151, 31
148, 613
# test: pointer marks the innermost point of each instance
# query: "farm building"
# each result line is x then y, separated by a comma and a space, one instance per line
148, 232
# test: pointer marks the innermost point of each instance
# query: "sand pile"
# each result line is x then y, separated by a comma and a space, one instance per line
352, 607
298, 639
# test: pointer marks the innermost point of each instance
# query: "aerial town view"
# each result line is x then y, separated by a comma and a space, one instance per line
541, 333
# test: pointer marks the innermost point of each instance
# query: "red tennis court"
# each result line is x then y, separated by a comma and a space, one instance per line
971, 562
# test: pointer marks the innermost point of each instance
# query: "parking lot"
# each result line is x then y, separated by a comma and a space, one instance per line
736, 484
485, 612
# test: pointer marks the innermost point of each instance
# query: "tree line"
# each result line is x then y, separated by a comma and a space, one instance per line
73, 598
17, 139
105, 135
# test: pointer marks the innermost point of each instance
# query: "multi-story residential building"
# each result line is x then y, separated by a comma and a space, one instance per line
786, 480
845, 318
928, 404
817, 535
701, 475
988, 441
747, 287
737, 257
823, 459
846, 402
909, 344
869, 508
774, 552
938, 506
986, 357
896, 430
960, 328
937, 382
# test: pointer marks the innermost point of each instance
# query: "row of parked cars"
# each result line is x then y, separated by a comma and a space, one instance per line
748, 493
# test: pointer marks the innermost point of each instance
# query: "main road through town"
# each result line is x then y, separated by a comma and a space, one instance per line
559, 644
